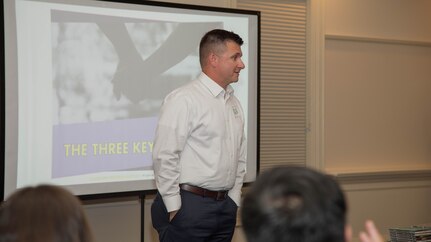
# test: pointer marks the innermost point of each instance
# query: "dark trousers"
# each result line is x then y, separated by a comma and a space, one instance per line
199, 219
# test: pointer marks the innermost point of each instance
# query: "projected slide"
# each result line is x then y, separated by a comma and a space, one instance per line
90, 80
110, 75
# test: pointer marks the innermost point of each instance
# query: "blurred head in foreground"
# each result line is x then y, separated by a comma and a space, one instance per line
294, 204
44, 213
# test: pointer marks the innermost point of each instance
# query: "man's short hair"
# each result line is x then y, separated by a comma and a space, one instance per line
294, 204
215, 41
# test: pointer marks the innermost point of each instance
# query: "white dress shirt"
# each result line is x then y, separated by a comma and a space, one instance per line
200, 141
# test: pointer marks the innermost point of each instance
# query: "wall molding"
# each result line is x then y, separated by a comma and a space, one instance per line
396, 179
377, 40
111, 202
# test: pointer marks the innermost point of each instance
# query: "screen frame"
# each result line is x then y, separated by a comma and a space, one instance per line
105, 192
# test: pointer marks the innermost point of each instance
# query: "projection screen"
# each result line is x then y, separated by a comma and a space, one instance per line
85, 79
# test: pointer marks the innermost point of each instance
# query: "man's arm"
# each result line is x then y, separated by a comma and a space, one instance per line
235, 192
171, 134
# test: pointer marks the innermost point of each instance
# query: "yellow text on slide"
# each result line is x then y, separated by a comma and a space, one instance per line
75, 149
116, 148
142, 146
109, 148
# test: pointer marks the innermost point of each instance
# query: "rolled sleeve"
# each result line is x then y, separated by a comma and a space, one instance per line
172, 203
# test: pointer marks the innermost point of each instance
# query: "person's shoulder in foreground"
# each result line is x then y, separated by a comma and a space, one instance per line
45, 213
298, 204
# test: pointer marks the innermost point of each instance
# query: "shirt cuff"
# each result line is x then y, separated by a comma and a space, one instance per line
172, 203
235, 196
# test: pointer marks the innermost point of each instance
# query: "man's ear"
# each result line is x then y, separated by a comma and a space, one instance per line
348, 233
213, 59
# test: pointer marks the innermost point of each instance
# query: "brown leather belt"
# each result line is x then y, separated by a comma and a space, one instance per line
217, 195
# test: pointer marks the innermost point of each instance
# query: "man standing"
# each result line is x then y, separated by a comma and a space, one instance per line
199, 150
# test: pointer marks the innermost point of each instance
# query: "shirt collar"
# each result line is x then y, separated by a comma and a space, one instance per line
213, 87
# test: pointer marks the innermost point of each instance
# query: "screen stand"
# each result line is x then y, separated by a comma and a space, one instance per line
142, 201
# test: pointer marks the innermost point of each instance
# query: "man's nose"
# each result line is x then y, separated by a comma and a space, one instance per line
241, 64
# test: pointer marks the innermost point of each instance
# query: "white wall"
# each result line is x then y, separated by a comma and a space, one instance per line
389, 19
377, 115
377, 84
115, 220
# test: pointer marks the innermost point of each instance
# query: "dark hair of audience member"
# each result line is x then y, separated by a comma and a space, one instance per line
43, 213
294, 204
